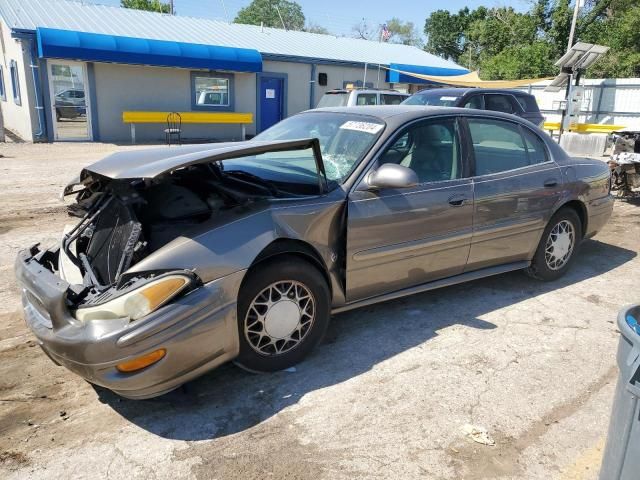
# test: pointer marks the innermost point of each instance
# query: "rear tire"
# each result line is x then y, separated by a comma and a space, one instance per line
558, 245
283, 313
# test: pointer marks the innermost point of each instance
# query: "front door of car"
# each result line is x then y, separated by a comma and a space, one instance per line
397, 238
516, 186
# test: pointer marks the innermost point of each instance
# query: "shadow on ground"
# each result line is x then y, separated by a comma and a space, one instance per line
229, 400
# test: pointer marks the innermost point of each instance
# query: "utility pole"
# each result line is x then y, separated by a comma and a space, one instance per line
171, 7
566, 113
226, 14
576, 10
280, 15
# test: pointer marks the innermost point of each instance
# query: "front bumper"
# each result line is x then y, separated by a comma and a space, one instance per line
199, 332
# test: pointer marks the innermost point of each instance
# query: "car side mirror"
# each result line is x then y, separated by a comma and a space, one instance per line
391, 175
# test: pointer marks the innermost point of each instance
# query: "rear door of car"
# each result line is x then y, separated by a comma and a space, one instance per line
474, 100
500, 102
392, 98
516, 186
531, 109
398, 238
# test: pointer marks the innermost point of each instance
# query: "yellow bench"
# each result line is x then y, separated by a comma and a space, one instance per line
584, 127
187, 117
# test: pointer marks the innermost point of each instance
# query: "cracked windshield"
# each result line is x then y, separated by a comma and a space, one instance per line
344, 139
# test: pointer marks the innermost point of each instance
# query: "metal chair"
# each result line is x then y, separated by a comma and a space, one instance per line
174, 127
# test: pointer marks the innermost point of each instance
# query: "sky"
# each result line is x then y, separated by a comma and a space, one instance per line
337, 16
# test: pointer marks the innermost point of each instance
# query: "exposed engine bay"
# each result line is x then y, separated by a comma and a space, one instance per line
124, 220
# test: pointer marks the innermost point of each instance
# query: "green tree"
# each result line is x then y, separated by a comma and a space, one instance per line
447, 33
444, 33
534, 60
560, 18
505, 44
150, 5
272, 13
501, 28
617, 26
403, 32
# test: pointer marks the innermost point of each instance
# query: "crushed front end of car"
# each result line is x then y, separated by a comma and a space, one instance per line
142, 333
124, 301
106, 346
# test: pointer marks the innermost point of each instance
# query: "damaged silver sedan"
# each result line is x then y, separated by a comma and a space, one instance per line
185, 258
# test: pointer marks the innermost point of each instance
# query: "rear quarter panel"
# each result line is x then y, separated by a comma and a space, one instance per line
587, 180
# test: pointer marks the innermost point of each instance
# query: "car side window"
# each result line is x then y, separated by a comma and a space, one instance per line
528, 103
474, 102
389, 99
431, 149
498, 146
366, 99
536, 148
498, 103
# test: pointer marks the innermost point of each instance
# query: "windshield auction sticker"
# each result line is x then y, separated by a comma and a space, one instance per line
367, 127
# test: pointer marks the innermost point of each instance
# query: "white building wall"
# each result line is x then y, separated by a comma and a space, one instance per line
17, 118
298, 83
299, 80
127, 87
121, 88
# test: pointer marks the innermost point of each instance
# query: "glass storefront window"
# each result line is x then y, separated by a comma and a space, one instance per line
211, 91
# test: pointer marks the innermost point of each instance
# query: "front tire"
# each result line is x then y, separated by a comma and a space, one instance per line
558, 245
283, 313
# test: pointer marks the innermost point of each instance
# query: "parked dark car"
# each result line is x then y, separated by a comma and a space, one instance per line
192, 256
507, 101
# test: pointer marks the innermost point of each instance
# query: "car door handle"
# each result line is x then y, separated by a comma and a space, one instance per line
550, 183
457, 200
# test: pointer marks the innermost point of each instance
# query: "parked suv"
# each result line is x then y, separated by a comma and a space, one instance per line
508, 101
358, 97
70, 103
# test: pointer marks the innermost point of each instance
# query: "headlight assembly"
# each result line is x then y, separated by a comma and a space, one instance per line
138, 302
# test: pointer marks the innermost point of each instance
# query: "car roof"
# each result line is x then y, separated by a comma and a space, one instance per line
398, 114
364, 90
459, 91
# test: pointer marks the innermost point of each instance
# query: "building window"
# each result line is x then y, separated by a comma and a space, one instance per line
15, 82
212, 91
3, 92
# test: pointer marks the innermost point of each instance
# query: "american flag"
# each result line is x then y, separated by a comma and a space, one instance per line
386, 34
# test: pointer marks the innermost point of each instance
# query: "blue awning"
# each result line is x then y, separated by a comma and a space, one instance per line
394, 75
94, 47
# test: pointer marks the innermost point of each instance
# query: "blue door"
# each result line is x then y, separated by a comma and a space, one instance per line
271, 101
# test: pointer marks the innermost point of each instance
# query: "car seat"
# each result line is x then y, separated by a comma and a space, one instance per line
431, 158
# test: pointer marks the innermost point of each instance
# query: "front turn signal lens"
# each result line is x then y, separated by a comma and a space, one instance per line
141, 362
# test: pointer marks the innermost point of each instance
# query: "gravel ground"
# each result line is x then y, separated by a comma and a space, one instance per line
387, 394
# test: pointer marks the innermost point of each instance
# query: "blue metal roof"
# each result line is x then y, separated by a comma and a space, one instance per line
95, 47
272, 43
